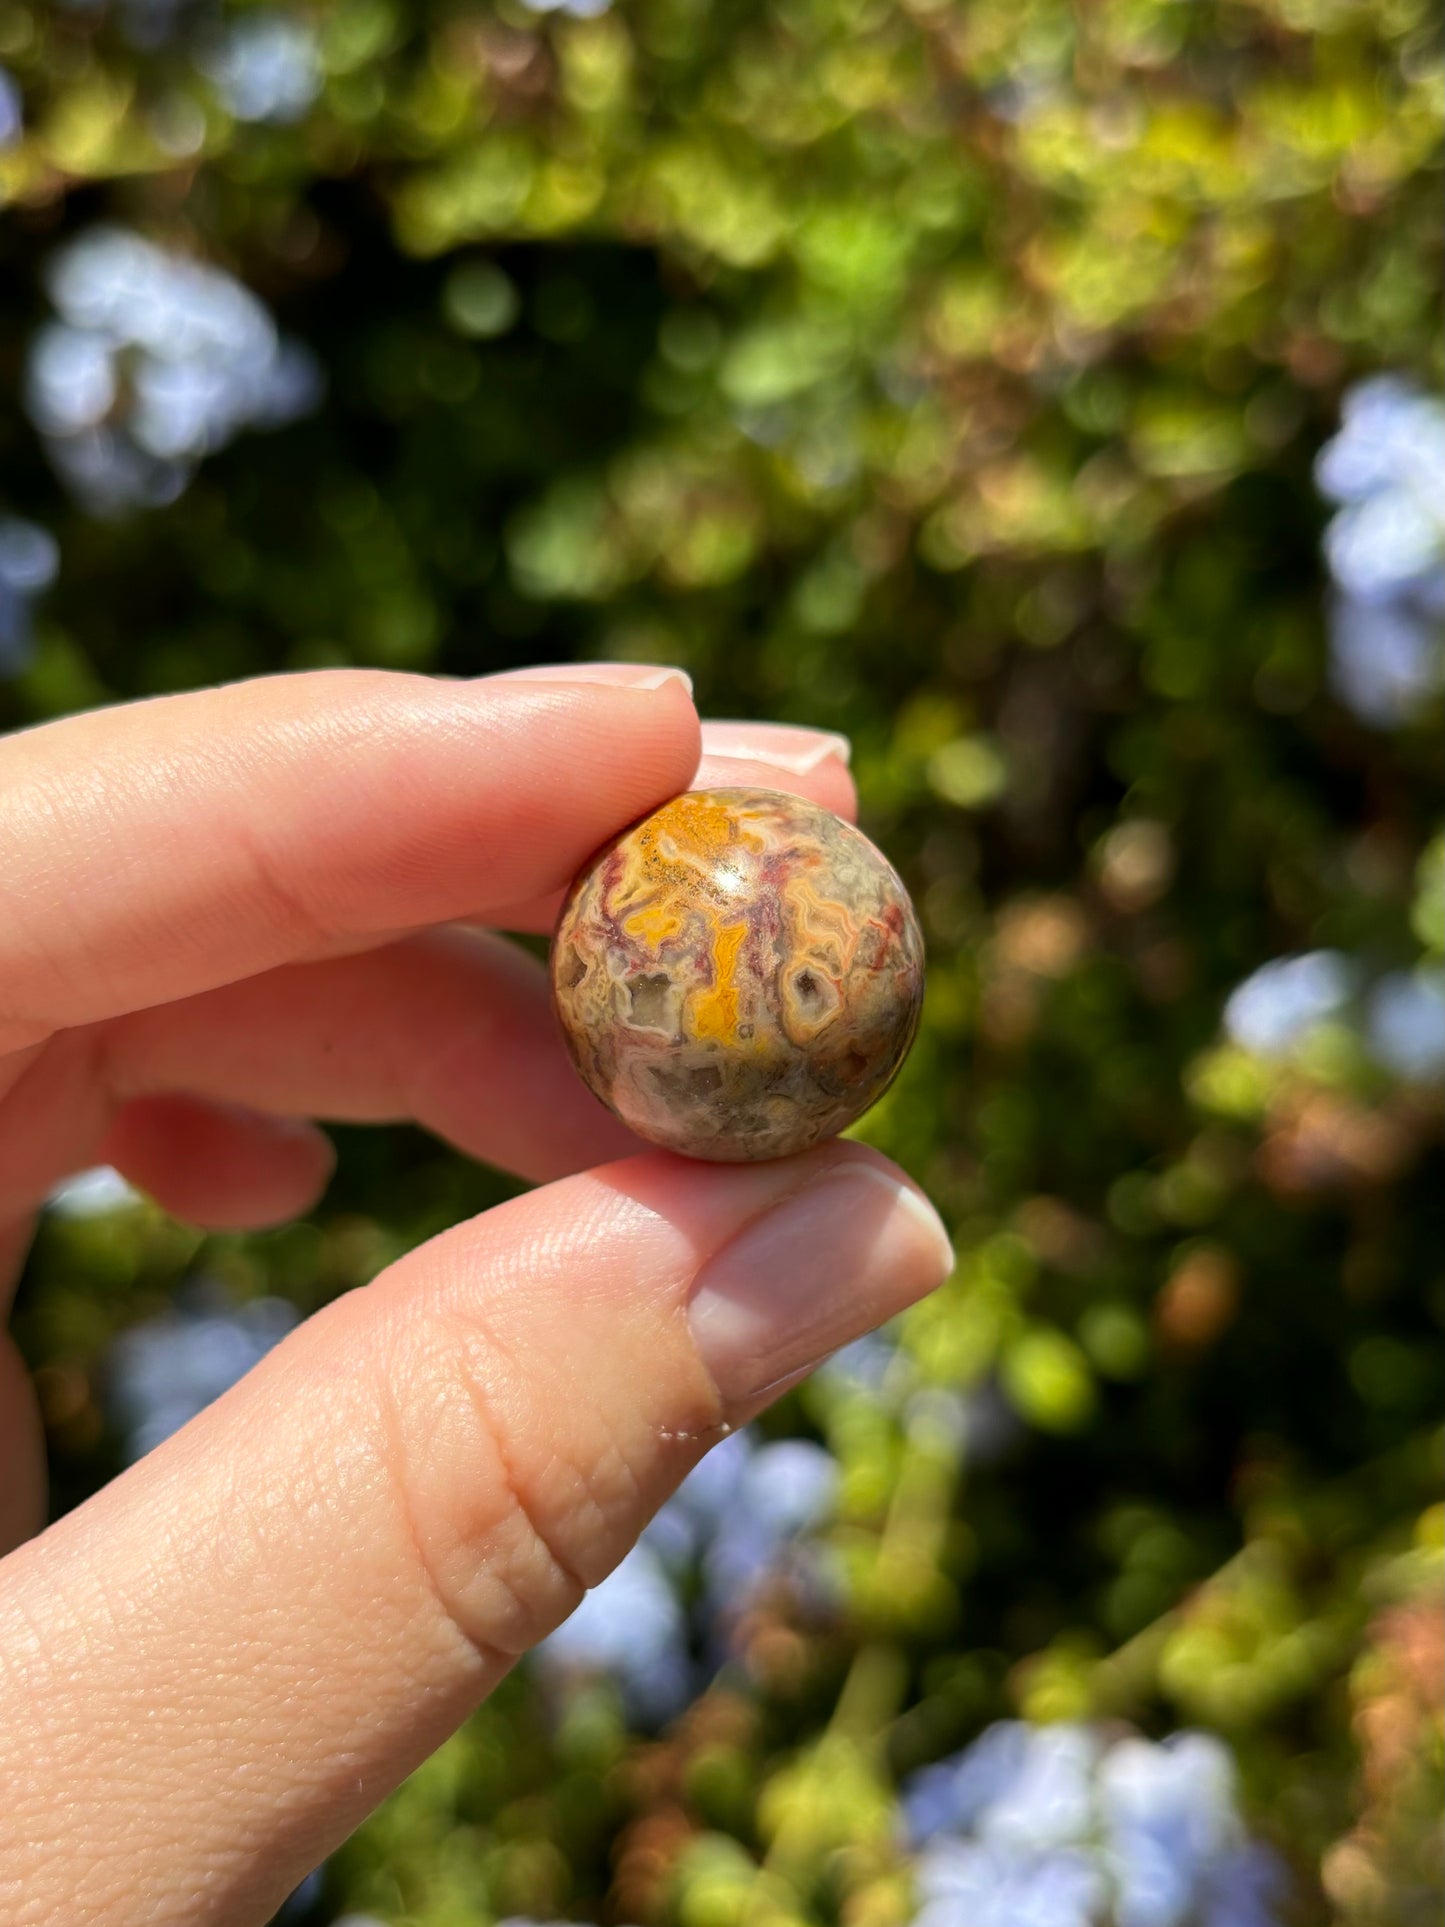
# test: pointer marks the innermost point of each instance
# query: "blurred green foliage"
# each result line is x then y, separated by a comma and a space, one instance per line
949, 374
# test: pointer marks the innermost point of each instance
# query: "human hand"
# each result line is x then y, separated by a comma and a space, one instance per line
217, 922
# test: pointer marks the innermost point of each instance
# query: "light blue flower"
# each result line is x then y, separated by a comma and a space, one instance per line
1385, 549
166, 1370
155, 362
864, 1364
970, 1885
1049, 1801
12, 115
1169, 1813
1385, 658
742, 1519
631, 1626
1385, 546
1391, 436
265, 67
1406, 1023
1281, 1002
29, 559
1245, 1888
578, 9
952, 1795
71, 379
788, 1486
784, 1490
1058, 1826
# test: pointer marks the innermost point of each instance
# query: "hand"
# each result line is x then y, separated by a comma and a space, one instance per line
218, 921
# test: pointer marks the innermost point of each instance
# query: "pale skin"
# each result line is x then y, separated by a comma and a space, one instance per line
224, 916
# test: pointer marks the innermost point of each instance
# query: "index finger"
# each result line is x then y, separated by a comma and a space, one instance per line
161, 849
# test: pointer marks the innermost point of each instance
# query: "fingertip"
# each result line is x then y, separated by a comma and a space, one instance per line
790, 746
829, 784
780, 756
618, 675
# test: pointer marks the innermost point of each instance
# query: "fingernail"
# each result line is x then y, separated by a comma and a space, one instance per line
819, 1269
782, 744
627, 675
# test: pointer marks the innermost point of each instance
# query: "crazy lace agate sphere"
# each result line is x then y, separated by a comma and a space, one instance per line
739, 975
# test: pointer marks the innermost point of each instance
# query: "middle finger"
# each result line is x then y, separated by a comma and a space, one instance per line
451, 1029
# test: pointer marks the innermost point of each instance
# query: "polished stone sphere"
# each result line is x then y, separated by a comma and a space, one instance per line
738, 975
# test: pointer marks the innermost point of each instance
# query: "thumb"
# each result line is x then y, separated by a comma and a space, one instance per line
224, 1660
